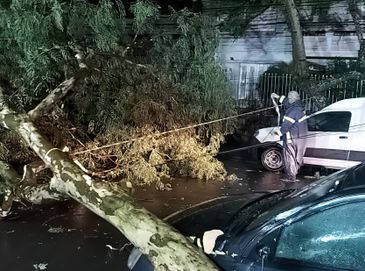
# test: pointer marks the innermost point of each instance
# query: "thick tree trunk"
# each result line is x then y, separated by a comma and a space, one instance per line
299, 56
358, 17
166, 248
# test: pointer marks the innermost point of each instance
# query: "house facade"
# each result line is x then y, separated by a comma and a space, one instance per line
328, 30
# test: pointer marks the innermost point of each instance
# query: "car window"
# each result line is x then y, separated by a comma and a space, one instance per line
330, 122
333, 238
355, 178
302, 196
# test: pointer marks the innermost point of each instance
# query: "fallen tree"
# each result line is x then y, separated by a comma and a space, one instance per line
165, 247
127, 85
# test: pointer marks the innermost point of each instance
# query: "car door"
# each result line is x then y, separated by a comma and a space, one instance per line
356, 135
330, 238
327, 139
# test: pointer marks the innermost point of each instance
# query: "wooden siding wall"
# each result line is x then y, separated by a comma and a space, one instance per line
267, 41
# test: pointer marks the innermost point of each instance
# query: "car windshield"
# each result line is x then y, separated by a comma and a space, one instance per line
285, 203
246, 215
298, 199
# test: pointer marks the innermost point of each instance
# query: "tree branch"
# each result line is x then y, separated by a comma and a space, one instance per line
332, 82
317, 90
4, 109
57, 94
14, 187
356, 17
165, 247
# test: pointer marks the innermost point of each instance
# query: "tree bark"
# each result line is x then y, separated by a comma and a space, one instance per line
299, 56
56, 95
357, 18
165, 247
16, 188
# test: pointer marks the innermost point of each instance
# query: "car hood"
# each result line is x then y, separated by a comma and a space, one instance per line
212, 214
267, 134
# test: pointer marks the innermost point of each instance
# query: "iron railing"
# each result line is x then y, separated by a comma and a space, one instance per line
258, 94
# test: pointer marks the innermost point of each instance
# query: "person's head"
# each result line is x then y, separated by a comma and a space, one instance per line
293, 96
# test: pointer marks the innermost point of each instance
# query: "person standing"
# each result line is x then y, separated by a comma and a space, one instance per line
292, 127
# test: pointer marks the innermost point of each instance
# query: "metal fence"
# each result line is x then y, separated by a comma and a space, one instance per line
258, 94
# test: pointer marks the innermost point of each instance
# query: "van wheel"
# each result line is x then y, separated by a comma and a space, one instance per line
272, 159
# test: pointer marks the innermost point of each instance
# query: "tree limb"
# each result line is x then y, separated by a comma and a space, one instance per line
317, 90
332, 82
299, 55
16, 188
357, 18
57, 94
165, 247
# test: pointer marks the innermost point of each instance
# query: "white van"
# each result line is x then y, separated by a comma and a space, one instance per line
335, 138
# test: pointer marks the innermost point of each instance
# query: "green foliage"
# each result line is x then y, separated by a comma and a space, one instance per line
40, 39
157, 80
188, 61
340, 66
145, 15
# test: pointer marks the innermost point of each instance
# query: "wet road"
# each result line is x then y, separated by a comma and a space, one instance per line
69, 237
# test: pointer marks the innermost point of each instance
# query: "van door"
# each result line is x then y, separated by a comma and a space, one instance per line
356, 136
327, 140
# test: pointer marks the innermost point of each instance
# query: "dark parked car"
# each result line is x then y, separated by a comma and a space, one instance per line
318, 227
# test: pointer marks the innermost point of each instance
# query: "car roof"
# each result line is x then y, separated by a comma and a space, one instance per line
346, 104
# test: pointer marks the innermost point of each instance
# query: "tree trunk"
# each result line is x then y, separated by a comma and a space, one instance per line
299, 57
357, 18
165, 247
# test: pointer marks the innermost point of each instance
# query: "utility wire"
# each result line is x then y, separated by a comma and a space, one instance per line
260, 145
318, 134
173, 131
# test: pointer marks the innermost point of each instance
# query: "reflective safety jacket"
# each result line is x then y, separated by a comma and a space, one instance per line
294, 122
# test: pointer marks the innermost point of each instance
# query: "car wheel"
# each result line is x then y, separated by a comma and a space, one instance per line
272, 159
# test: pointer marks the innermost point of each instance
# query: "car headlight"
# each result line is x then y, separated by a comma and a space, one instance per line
133, 258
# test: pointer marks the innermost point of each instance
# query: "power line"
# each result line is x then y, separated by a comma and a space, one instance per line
318, 134
173, 131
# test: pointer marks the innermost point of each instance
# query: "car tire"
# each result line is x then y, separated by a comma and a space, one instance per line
272, 159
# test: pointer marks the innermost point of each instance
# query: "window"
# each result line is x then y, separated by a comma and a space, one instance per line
330, 122
356, 177
333, 238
